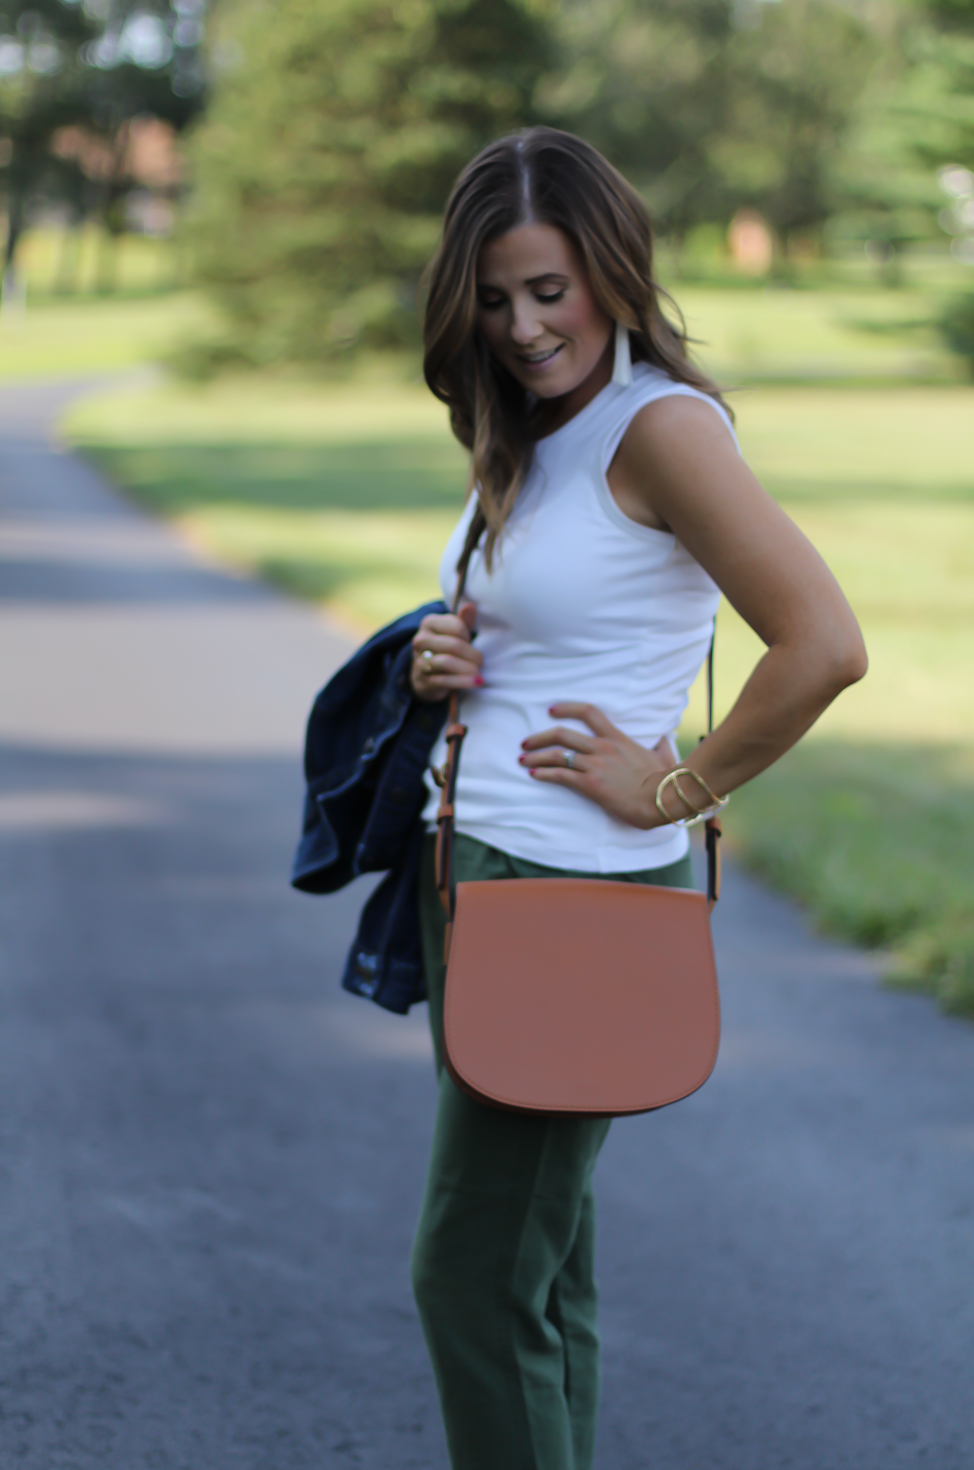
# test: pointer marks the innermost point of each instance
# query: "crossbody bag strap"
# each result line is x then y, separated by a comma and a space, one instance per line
454, 735
445, 831
712, 825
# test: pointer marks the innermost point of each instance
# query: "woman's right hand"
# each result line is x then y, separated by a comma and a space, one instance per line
444, 657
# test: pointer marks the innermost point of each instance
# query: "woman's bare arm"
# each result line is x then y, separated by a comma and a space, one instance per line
678, 469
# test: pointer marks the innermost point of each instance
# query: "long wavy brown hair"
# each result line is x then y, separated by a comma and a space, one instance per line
547, 177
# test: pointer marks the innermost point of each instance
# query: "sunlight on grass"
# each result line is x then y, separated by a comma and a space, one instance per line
908, 571
253, 410
78, 261
775, 334
878, 841
863, 442
366, 567
61, 339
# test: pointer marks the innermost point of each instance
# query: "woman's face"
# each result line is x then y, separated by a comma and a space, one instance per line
537, 313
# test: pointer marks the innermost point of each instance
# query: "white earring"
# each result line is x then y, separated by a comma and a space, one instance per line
622, 367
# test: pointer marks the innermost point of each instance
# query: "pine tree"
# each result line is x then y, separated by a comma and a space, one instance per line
947, 139
713, 104
944, 60
800, 73
324, 163
648, 82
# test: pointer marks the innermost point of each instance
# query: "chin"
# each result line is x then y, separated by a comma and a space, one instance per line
543, 386
548, 390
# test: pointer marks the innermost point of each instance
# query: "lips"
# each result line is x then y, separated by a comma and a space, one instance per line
541, 358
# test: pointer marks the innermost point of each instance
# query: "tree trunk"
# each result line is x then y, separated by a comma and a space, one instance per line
69, 257
13, 290
111, 197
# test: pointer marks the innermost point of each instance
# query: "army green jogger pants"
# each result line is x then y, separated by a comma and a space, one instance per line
503, 1264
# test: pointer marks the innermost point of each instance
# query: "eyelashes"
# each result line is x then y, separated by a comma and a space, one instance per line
500, 301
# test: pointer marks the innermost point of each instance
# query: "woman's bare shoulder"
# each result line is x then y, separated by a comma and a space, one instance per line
671, 443
674, 423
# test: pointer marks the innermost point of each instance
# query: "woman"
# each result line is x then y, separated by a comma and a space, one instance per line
611, 510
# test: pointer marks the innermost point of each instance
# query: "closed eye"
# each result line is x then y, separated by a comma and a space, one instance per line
493, 303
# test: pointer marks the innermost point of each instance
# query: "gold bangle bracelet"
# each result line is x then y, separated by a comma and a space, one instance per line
672, 778
717, 801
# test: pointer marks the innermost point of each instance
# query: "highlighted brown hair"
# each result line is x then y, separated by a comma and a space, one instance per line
548, 177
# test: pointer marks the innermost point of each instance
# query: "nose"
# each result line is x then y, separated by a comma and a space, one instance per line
525, 327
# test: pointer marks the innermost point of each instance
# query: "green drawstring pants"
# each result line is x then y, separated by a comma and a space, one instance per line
503, 1264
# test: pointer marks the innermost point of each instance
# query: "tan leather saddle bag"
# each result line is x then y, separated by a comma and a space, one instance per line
576, 995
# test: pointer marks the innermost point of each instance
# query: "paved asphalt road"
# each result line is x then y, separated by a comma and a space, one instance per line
212, 1158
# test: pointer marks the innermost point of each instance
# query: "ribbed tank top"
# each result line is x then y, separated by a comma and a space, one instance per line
582, 604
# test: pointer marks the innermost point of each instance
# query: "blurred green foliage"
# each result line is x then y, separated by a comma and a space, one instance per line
957, 325
329, 151
946, 134
94, 66
338, 125
711, 106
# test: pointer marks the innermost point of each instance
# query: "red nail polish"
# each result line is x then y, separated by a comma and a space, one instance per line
479, 683
532, 773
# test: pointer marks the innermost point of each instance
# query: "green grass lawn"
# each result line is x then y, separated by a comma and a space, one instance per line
836, 333
346, 495
57, 338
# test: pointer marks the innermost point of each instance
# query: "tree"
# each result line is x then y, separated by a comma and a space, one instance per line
711, 105
97, 64
325, 160
648, 82
800, 71
948, 140
944, 59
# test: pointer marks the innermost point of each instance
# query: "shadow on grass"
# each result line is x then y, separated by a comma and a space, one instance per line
398, 474
788, 488
333, 578
878, 841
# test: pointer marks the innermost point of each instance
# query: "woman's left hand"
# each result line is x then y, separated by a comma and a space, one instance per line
607, 767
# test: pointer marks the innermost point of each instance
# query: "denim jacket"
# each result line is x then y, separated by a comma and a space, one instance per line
367, 747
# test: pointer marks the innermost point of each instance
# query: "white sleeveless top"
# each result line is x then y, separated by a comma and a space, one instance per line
582, 604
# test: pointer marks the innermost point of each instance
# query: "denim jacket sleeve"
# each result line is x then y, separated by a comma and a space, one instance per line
368, 744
